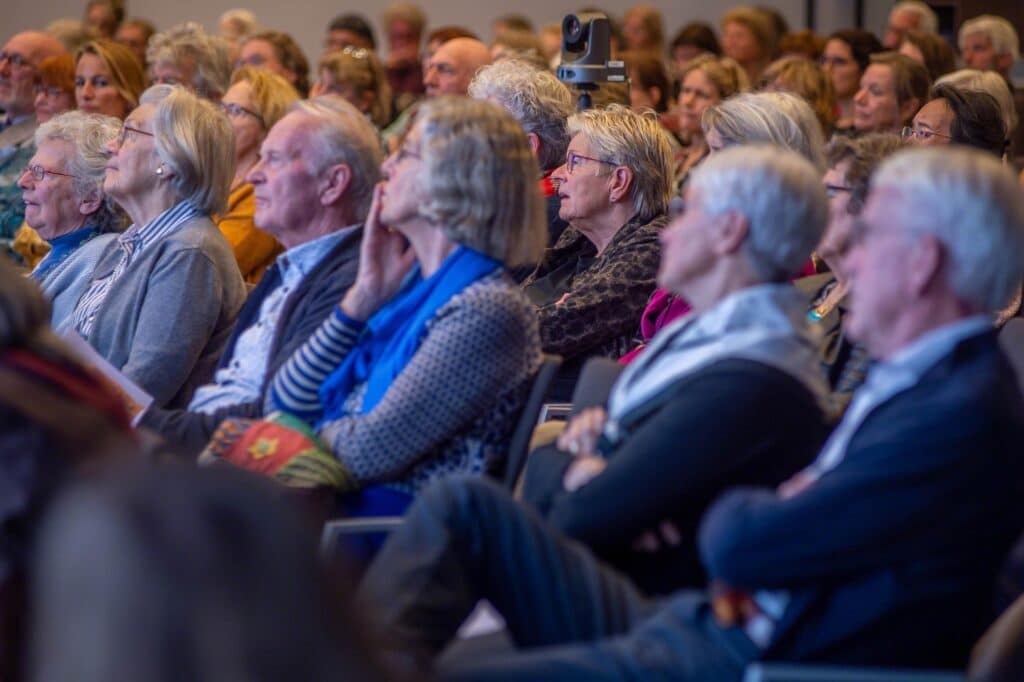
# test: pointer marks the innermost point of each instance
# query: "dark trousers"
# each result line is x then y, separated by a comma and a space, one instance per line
570, 616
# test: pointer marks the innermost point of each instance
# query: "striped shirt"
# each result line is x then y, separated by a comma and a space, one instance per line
132, 242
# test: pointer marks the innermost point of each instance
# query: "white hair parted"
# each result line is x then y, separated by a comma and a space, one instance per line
990, 82
210, 54
779, 118
969, 201
343, 135
929, 20
638, 142
88, 136
535, 97
780, 194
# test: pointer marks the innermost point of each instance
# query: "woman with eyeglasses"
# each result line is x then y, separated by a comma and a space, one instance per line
592, 285
356, 74
256, 100
163, 297
108, 79
846, 56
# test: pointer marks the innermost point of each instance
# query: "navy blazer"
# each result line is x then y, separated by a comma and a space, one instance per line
891, 557
311, 302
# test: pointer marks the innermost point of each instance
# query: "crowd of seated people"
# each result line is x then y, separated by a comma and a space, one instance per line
240, 296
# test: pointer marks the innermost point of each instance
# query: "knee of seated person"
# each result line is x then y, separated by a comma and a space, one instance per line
456, 496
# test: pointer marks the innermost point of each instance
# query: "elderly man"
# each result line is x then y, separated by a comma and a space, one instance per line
923, 468
451, 68
313, 185
19, 72
910, 15
542, 105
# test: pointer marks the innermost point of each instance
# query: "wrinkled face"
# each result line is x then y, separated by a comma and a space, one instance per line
583, 192
899, 23
686, 247
51, 204
286, 191
836, 240
249, 131
697, 93
18, 76
134, 38
978, 53
876, 108
52, 101
402, 192
932, 124
132, 169
94, 90
739, 43
182, 73
838, 62
446, 72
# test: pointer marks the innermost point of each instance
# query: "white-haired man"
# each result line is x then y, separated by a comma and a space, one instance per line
909, 15
313, 186
884, 551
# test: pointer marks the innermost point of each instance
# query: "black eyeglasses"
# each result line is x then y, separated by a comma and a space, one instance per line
236, 110
38, 172
123, 135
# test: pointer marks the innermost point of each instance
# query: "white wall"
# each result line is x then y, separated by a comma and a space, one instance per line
306, 19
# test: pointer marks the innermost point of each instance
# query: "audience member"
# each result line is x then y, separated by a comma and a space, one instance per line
551, 42
403, 31
541, 104
188, 56
511, 22
108, 79
930, 51
749, 37
663, 447
236, 25
256, 100
356, 74
177, 574
692, 41
55, 92
349, 30
432, 322
134, 33
19, 68
892, 89
956, 116
103, 17
922, 466
453, 65
277, 52
909, 15
806, 44
847, 55
592, 284
62, 188
519, 45
643, 28
993, 84
169, 170
806, 79
649, 84
319, 224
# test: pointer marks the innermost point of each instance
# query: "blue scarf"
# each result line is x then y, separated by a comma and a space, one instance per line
394, 333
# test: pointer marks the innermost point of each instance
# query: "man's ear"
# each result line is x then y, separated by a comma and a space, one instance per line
731, 230
621, 182
336, 179
925, 264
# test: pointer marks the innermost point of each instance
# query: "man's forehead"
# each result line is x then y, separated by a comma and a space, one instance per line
291, 134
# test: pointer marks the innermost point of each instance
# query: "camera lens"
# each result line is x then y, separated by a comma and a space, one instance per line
571, 28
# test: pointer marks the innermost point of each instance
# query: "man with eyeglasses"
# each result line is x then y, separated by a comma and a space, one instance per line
955, 116
19, 74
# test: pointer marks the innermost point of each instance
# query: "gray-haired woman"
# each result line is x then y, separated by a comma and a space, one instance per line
162, 299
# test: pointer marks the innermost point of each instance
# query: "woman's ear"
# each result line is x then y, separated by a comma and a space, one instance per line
621, 183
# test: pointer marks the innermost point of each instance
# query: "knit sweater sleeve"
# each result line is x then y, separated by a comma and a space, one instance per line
475, 349
296, 386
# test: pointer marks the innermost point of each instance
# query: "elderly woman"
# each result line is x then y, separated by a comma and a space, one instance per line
163, 297
422, 368
592, 284
775, 118
705, 81
256, 100
847, 54
108, 79
187, 55
277, 52
892, 89
851, 161
356, 74
732, 395
749, 37
65, 203
806, 79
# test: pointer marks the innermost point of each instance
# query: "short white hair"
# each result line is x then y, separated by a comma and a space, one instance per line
998, 30
535, 97
973, 205
780, 194
929, 20
990, 82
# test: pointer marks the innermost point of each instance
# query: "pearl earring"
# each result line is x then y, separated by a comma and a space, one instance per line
160, 170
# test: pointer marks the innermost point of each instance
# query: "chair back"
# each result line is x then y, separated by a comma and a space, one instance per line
520, 442
595, 383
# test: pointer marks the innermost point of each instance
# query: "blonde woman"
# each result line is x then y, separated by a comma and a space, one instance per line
108, 79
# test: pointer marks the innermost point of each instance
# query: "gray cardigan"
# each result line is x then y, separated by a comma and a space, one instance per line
167, 318
66, 283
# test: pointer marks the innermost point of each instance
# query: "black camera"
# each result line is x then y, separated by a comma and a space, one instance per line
586, 54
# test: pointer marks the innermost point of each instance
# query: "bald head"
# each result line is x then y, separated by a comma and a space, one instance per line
452, 67
19, 71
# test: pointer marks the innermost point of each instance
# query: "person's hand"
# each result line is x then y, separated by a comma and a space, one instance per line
581, 435
385, 258
795, 484
665, 535
582, 471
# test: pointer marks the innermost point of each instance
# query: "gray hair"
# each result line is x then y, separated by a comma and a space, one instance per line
998, 30
973, 205
637, 141
211, 55
780, 194
990, 82
88, 136
344, 136
928, 21
535, 97
480, 179
242, 21
779, 118
196, 141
